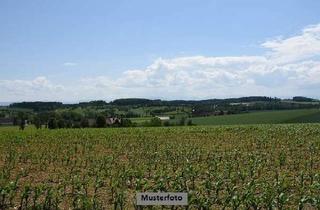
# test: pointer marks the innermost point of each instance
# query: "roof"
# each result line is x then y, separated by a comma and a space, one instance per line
163, 117
112, 120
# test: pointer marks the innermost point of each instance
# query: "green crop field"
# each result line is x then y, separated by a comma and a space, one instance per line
263, 117
140, 120
220, 167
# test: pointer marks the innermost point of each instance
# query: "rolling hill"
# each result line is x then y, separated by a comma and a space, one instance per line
264, 117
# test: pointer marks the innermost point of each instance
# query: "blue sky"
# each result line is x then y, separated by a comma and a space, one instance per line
81, 50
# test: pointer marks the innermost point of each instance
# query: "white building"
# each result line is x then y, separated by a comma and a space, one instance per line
163, 118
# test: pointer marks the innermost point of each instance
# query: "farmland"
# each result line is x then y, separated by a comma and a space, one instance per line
232, 167
262, 117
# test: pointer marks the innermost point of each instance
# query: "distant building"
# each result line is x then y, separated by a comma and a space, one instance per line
109, 121
163, 118
6, 121
113, 120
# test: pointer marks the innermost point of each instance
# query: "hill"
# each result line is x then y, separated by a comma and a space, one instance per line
264, 117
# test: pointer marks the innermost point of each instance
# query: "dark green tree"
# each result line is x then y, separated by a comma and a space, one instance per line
52, 124
155, 121
61, 123
37, 121
182, 121
76, 124
166, 123
68, 124
125, 123
101, 121
15, 121
84, 123
22, 124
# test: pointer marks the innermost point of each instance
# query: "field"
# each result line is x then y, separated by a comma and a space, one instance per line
140, 120
221, 167
262, 117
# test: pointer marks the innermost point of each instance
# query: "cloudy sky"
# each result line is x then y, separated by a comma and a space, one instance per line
80, 50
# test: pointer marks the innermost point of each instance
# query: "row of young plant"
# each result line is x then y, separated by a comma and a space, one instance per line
263, 167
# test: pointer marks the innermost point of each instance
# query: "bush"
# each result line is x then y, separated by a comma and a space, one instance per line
52, 124
166, 123
101, 121
37, 122
84, 123
68, 124
182, 121
126, 123
155, 122
22, 124
61, 123
76, 125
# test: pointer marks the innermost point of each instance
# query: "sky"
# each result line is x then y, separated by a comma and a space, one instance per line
79, 50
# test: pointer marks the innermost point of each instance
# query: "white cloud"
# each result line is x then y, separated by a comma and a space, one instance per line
70, 64
296, 48
290, 66
38, 88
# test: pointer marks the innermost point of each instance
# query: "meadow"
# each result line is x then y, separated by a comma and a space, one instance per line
262, 117
220, 167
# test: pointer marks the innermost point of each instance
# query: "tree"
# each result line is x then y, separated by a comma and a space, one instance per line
37, 121
52, 124
68, 124
155, 121
15, 121
125, 123
101, 121
302, 99
166, 123
84, 123
44, 117
61, 123
22, 124
76, 125
182, 121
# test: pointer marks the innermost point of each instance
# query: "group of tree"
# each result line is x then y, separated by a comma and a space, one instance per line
81, 115
303, 99
37, 106
125, 107
99, 122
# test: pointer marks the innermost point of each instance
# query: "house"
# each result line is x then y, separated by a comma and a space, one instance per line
6, 121
109, 121
112, 121
163, 118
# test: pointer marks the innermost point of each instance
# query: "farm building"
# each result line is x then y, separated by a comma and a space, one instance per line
109, 121
113, 120
164, 118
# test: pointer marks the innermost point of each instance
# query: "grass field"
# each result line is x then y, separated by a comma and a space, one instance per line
265, 117
140, 120
231, 167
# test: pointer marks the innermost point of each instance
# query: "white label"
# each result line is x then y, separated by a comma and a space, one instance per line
161, 198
